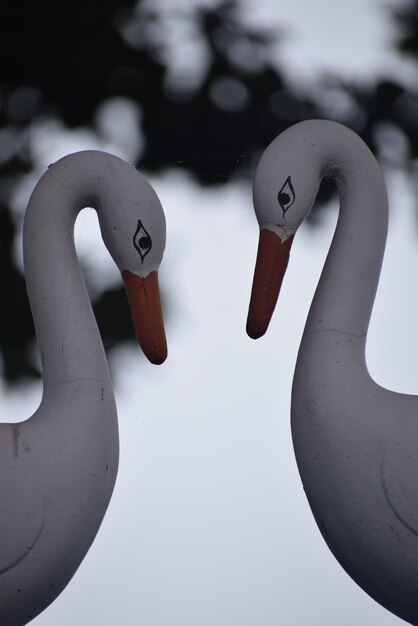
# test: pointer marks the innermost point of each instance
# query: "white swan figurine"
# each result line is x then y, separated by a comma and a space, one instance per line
356, 443
58, 468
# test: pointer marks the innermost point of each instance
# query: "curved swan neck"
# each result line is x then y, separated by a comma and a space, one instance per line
68, 338
344, 298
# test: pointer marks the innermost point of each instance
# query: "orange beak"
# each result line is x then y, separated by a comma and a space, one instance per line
144, 300
271, 264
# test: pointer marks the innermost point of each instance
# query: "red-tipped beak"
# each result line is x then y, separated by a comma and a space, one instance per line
144, 300
271, 264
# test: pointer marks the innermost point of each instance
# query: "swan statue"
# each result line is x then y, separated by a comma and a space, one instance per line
58, 468
355, 442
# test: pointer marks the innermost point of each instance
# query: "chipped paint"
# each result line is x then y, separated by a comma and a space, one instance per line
15, 435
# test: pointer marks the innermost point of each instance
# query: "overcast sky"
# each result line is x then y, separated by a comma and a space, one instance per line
209, 525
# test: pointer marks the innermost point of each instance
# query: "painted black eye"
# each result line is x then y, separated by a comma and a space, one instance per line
286, 195
145, 242
142, 240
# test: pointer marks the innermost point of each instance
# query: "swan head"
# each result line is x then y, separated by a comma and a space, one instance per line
286, 183
135, 237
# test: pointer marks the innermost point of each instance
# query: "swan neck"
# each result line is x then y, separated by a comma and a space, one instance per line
346, 291
68, 339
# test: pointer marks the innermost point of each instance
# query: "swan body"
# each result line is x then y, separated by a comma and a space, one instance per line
58, 468
355, 442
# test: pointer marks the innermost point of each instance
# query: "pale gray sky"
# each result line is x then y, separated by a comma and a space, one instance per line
350, 39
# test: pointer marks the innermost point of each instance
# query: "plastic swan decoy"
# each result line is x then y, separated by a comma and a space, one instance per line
355, 442
58, 468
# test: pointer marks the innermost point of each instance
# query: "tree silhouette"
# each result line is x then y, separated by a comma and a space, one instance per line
64, 60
